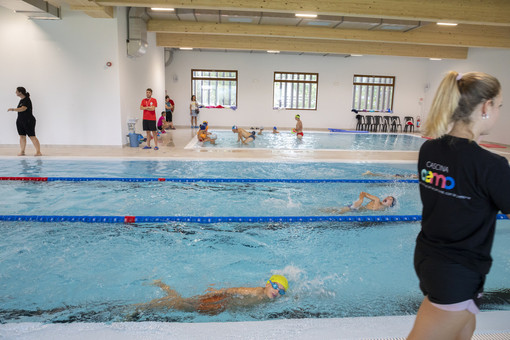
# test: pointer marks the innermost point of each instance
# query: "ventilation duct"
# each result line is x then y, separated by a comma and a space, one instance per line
137, 32
33, 9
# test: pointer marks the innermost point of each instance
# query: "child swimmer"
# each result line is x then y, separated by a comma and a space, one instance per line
216, 301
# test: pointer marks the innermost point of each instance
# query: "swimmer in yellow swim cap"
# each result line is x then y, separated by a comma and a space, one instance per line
215, 301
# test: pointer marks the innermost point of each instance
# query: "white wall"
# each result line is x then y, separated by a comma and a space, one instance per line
62, 64
412, 97
255, 97
492, 61
77, 99
138, 74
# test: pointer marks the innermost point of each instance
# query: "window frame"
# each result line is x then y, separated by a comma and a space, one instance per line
370, 92
236, 79
299, 82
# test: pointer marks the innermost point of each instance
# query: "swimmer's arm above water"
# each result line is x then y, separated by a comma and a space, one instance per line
370, 197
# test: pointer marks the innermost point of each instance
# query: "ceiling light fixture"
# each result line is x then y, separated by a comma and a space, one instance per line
447, 24
162, 9
435, 59
356, 55
186, 48
305, 15
273, 51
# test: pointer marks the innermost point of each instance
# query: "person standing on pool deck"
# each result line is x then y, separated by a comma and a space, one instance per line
299, 127
169, 110
216, 301
462, 188
148, 106
25, 122
194, 111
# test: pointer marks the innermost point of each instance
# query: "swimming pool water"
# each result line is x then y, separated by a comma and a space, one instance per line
80, 272
96, 272
317, 141
197, 169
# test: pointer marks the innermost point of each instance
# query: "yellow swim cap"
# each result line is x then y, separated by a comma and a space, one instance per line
281, 280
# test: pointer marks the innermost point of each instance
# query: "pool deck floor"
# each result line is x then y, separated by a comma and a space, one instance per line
490, 325
172, 146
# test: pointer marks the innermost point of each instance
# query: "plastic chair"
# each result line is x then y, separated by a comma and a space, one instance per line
408, 124
361, 122
395, 123
369, 121
385, 123
377, 124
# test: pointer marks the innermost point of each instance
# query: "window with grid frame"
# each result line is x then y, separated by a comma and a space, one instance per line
373, 93
295, 91
215, 87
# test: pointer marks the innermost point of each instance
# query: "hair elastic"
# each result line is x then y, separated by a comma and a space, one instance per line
459, 76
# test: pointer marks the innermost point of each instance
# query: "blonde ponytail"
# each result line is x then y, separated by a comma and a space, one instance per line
444, 104
456, 99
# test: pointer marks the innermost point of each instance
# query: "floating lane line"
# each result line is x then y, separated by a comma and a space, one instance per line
215, 219
210, 180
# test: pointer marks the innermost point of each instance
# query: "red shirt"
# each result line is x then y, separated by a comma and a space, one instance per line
149, 115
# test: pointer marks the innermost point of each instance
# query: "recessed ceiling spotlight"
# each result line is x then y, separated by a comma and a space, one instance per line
273, 51
186, 48
306, 15
162, 9
435, 59
356, 55
446, 24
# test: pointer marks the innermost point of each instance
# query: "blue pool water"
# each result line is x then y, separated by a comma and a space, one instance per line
318, 141
82, 272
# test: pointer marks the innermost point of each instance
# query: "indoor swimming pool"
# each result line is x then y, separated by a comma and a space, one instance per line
61, 272
316, 141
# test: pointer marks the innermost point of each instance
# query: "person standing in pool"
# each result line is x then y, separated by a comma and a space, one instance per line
299, 127
242, 134
462, 188
25, 122
216, 301
148, 106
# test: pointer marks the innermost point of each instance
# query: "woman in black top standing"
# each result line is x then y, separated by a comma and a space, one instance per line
462, 188
25, 122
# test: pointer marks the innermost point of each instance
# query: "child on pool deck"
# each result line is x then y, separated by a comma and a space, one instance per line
375, 204
216, 301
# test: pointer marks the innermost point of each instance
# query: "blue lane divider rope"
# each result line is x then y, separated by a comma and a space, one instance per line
212, 219
211, 180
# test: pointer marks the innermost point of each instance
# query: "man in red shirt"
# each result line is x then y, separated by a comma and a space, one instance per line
148, 106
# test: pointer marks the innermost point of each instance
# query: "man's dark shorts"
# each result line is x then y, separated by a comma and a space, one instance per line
149, 125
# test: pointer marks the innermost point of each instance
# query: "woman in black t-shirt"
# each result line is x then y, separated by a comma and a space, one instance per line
25, 122
462, 188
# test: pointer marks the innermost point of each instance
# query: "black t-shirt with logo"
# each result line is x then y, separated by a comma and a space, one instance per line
27, 114
462, 188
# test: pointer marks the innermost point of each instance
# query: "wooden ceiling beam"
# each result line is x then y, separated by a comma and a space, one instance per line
321, 46
494, 12
462, 35
95, 11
